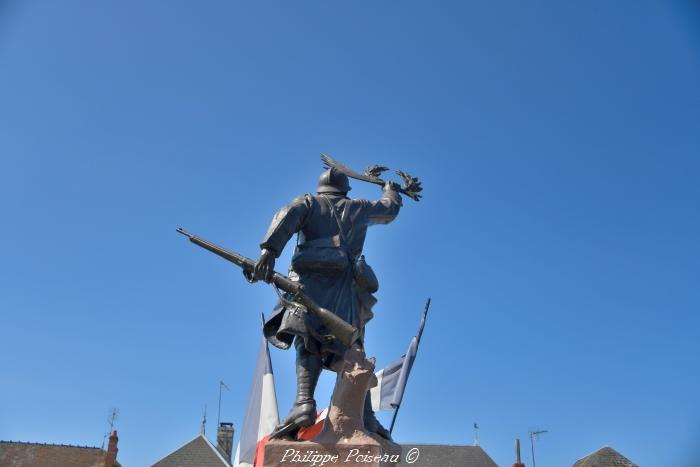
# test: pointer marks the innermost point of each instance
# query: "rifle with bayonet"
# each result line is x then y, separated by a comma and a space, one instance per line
338, 329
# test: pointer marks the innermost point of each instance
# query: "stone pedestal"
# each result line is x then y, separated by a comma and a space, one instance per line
343, 441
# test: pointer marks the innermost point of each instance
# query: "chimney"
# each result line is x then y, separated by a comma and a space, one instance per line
224, 439
517, 455
111, 457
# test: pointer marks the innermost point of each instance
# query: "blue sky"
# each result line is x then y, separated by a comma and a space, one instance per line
558, 144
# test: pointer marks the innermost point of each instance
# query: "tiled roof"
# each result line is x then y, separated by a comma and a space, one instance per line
432, 455
605, 457
197, 453
20, 454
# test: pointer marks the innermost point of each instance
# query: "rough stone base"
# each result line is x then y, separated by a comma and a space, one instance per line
344, 440
347, 453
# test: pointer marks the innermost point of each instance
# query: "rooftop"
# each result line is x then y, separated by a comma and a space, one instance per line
28, 454
605, 457
198, 452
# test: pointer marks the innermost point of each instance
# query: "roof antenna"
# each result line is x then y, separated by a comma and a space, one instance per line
533, 436
202, 431
218, 417
113, 416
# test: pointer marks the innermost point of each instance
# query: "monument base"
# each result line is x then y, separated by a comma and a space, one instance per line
366, 452
343, 440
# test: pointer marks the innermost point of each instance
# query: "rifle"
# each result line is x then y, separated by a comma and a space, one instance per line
339, 329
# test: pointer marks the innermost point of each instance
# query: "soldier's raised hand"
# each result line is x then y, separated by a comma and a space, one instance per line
391, 186
265, 266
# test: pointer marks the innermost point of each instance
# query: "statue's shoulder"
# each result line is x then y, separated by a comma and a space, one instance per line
306, 198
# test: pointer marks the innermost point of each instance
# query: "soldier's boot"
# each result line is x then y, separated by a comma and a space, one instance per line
303, 413
371, 423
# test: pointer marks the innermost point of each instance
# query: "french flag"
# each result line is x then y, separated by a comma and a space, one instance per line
262, 416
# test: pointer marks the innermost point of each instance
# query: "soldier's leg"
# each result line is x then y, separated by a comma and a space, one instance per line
303, 413
309, 367
371, 423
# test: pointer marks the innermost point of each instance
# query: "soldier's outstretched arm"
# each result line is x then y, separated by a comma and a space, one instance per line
387, 207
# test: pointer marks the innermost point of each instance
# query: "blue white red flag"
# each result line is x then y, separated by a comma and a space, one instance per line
262, 415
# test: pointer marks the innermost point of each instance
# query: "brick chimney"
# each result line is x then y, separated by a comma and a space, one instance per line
111, 457
518, 463
224, 439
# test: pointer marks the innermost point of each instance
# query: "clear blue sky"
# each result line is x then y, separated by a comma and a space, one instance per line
558, 143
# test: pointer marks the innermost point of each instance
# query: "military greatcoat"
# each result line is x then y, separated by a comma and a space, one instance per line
331, 227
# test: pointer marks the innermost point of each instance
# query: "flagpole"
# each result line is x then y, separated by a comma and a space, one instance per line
418, 337
425, 316
393, 419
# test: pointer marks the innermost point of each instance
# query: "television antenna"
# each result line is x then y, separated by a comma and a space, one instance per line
222, 385
113, 416
533, 436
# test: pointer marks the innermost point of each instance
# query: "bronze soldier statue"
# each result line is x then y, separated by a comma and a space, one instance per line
328, 262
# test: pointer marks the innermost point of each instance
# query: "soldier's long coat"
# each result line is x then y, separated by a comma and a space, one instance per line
311, 217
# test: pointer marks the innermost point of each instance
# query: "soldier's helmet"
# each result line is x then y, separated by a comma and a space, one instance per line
333, 181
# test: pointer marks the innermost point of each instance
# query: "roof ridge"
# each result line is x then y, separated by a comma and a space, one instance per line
216, 451
178, 448
50, 444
